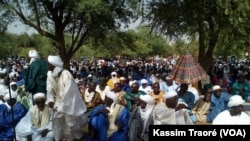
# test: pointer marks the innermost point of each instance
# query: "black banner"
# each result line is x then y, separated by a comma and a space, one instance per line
218, 132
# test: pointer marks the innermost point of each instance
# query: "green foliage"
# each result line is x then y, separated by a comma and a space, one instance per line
216, 24
70, 24
7, 46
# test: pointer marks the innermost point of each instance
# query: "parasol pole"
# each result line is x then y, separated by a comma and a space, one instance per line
189, 45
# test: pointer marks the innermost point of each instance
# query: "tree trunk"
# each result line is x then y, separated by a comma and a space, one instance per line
64, 55
66, 61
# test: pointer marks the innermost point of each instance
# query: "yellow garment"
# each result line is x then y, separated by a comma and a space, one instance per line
95, 101
43, 120
112, 118
112, 81
157, 97
200, 109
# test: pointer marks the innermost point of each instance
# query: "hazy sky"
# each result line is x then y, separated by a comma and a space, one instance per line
19, 28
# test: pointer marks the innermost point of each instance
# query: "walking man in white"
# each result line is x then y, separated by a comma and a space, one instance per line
65, 98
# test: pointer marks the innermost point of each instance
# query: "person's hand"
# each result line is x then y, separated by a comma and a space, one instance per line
29, 138
27, 93
180, 106
44, 133
1, 97
134, 106
135, 99
51, 104
104, 111
122, 102
119, 125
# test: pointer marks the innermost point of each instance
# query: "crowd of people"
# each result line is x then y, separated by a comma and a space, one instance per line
113, 99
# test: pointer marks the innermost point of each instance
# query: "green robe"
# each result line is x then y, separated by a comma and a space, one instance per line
36, 76
128, 96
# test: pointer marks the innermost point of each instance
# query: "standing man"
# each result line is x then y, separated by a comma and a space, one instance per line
36, 74
64, 97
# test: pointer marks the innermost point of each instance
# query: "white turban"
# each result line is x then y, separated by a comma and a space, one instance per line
33, 54
7, 96
39, 95
148, 99
235, 100
90, 75
113, 73
170, 94
13, 83
144, 81
112, 95
168, 78
55, 60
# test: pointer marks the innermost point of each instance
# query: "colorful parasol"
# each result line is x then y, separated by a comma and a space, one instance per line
187, 70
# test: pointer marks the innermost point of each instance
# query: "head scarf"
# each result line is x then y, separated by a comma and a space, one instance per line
39, 95
13, 83
235, 100
113, 73
144, 81
145, 113
148, 99
57, 62
33, 54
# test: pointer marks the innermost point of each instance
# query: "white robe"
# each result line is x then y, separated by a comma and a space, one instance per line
65, 94
147, 90
182, 117
163, 115
225, 118
25, 127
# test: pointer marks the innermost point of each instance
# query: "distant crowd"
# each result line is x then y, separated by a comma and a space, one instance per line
113, 99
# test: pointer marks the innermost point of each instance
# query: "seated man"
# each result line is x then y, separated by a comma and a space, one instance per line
109, 122
182, 113
200, 109
164, 113
235, 115
37, 123
7, 122
186, 95
157, 94
219, 100
132, 97
141, 118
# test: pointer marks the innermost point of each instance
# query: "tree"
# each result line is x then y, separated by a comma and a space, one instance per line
206, 20
7, 45
79, 19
